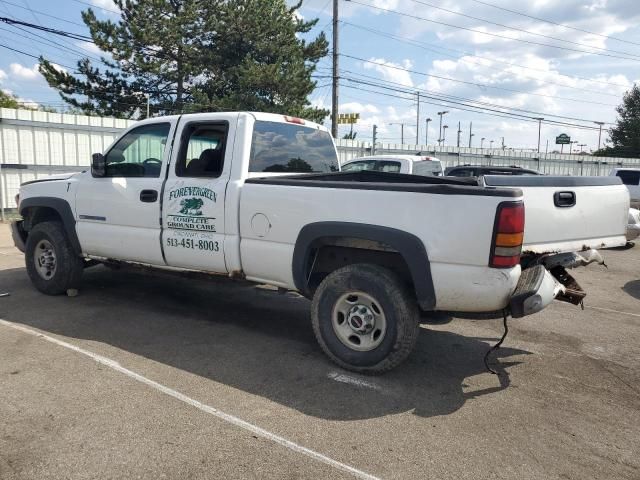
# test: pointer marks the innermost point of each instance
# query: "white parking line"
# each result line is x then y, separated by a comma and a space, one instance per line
600, 308
238, 422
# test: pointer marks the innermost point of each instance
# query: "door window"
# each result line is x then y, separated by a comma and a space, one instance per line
202, 155
139, 153
629, 177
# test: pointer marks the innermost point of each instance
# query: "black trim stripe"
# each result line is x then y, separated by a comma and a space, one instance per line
547, 181
92, 217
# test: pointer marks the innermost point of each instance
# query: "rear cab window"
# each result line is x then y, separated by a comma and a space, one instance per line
291, 148
427, 167
629, 177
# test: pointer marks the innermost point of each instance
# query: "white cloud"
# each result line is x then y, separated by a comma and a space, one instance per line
391, 71
20, 72
3, 74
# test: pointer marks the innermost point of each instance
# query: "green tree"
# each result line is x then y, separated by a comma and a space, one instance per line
625, 135
196, 55
8, 100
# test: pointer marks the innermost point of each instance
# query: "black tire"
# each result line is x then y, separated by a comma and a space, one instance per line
68, 264
397, 303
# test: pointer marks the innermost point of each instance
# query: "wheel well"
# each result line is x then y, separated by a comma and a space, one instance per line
330, 254
34, 215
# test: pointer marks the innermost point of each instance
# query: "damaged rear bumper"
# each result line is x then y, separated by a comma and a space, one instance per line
536, 289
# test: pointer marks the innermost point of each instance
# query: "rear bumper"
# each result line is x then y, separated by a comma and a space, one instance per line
19, 235
536, 289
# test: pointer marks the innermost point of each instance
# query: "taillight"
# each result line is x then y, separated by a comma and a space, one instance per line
296, 120
508, 233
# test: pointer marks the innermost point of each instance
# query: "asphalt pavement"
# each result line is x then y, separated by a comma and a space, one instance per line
156, 376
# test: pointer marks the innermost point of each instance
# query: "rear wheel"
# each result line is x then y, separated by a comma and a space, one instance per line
52, 265
365, 319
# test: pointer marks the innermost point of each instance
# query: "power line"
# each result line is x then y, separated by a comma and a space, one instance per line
42, 13
416, 17
515, 12
484, 20
30, 55
483, 85
434, 48
74, 36
446, 97
95, 6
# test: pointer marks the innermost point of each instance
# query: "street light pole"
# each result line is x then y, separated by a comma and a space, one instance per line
444, 133
401, 131
440, 139
459, 132
426, 133
491, 144
481, 142
418, 120
600, 124
471, 135
539, 130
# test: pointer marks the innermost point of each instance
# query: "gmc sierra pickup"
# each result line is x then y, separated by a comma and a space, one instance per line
259, 197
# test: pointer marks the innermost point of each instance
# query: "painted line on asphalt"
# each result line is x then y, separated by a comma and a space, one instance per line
602, 309
238, 422
342, 378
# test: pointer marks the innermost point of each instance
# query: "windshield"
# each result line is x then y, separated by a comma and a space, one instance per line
291, 148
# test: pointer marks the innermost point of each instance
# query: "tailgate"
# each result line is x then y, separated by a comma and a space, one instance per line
570, 214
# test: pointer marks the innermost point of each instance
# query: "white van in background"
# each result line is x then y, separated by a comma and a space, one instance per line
631, 178
413, 164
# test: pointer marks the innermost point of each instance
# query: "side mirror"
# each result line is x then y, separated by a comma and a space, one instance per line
98, 165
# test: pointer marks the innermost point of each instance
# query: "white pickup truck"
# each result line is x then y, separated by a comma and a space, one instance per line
224, 194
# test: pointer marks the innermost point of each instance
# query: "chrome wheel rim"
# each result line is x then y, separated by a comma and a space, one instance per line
359, 321
45, 259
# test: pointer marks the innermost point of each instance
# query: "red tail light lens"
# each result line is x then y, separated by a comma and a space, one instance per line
508, 235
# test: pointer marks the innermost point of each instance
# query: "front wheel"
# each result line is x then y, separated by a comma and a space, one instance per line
365, 319
52, 265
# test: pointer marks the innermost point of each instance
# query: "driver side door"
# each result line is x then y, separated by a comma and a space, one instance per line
118, 215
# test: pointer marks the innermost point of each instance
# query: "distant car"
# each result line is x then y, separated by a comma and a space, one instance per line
631, 178
481, 170
412, 164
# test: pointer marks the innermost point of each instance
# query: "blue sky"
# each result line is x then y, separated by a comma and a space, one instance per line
516, 60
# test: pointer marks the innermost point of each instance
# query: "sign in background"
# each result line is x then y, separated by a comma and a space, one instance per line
563, 139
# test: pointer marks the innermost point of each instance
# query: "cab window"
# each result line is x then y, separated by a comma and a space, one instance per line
139, 153
202, 150
629, 177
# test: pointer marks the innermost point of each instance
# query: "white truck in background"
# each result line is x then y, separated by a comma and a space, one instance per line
413, 164
258, 197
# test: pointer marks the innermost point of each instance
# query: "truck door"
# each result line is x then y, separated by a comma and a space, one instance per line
193, 201
118, 214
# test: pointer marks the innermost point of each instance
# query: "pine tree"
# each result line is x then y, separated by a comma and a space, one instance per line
625, 136
196, 55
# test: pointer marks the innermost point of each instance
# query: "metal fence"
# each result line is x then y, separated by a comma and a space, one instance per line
34, 144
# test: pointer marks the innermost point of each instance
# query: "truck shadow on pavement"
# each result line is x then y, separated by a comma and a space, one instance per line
254, 340
632, 288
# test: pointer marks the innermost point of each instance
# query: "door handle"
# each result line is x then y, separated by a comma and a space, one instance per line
564, 199
148, 196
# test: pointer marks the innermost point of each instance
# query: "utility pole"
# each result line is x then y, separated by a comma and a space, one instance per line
600, 124
418, 120
459, 132
546, 150
444, 133
375, 138
440, 139
491, 144
426, 133
471, 135
482, 142
539, 130
401, 131
502, 143
334, 90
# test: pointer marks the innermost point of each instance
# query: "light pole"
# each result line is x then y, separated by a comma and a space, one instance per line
491, 144
471, 135
482, 142
401, 131
147, 95
503, 143
539, 130
459, 132
426, 133
440, 139
600, 124
582, 145
444, 133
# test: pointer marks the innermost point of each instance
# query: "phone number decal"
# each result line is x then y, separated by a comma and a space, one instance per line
205, 245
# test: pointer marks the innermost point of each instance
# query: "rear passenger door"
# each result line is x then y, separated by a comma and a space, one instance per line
193, 200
